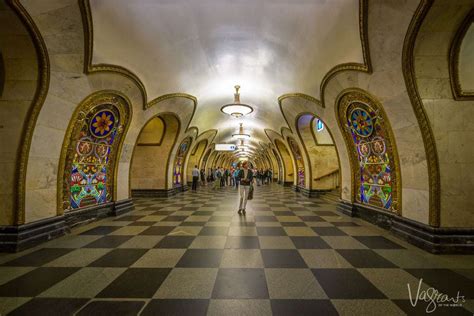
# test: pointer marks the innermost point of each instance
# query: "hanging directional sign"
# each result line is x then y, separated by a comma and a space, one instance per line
225, 147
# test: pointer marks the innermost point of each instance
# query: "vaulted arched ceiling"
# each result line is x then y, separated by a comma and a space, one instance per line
205, 47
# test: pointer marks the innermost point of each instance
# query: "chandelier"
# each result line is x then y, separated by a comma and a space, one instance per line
237, 109
241, 134
242, 147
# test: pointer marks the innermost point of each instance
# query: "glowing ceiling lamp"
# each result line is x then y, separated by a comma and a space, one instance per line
237, 109
242, 146
241, 134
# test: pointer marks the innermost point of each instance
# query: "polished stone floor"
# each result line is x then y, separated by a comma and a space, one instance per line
194, 255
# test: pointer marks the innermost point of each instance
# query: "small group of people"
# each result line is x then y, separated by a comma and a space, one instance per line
241, 177
264, 176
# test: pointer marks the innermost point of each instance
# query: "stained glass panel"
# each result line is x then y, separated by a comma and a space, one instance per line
90, 170
299, 161
367, 132
178, 168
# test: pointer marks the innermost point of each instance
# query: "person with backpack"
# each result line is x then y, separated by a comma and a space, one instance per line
246, 176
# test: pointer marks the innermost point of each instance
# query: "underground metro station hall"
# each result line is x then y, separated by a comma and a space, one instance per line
236, 157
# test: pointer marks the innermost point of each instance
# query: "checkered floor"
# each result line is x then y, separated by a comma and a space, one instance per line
194, 255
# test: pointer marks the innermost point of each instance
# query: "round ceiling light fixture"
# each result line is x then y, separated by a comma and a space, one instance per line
241, 134
237, 109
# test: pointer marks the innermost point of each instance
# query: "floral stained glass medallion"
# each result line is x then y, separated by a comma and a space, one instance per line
102, 124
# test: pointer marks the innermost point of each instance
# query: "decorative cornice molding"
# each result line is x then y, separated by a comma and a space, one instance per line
88, 26
366, 66
33, 111
420, 113
456, 87
171, 96
85, 8
299, 95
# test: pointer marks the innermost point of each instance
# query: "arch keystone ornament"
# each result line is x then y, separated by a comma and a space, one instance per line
372, 151
91, 147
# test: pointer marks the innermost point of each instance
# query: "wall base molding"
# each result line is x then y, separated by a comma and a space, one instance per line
432, 239
309, 193
18, 238
155, 192
287, 184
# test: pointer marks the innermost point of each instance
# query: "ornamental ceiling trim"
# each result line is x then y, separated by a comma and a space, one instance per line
89, 68
33, 111
365, 67
420, 113
456, 87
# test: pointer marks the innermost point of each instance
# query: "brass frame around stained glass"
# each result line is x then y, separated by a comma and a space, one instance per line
111, 100
347, 101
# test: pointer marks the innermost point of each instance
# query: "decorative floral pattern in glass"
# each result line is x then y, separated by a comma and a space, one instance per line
299, 161
367, 132
90, 168
179, 161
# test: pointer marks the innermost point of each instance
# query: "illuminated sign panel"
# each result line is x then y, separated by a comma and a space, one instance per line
225, 147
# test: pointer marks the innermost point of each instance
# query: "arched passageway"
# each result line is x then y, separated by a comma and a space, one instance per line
151, 156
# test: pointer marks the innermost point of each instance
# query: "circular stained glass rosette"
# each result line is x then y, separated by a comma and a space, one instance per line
84, 146
102, 123
378, 146
364, 149
361, 122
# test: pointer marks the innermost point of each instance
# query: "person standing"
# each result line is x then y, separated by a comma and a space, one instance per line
217, 176
246, 179
195, 178
203, 177
236, 177
231, 176
221, 170
226, 174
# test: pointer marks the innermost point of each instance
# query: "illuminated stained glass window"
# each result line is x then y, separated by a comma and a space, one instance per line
368, 133
179, 161
319, 125
299, 161
91, 154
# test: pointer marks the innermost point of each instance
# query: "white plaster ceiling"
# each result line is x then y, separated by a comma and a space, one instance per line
205, 47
